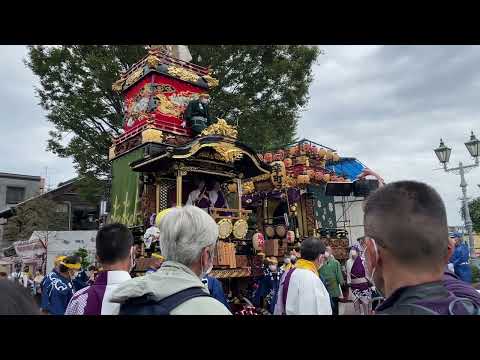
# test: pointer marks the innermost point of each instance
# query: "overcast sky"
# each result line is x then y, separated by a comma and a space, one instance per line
388, 106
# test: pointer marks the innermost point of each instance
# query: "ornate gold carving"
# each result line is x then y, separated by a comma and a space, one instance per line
165, 106
248, 187
152, 61
111, 152
225, 228
212, 82
183, 74
137, 74
152, 135
240, 229
118, 85
229, 152
221, 128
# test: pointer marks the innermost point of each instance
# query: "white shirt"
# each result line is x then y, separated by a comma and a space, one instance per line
306, 295
213, 196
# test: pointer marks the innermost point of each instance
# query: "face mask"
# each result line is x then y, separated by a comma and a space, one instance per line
327, 254
286, 261
132, 259
272, 267
367, 273
203, 272
293, 258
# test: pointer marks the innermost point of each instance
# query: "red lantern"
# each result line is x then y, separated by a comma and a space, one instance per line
268, 157
318, 176
306, 148
290, 237
279, 155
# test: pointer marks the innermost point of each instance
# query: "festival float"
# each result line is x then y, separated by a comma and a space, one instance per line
158, 157
157, 161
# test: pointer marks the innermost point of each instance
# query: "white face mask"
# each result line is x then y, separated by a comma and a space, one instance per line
327, 254
369, 275
205, 272
286, 260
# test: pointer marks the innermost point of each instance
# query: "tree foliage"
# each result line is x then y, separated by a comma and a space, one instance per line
39, 214
263, 87
474, 208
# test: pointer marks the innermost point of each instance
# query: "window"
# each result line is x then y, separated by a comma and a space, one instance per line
15, 194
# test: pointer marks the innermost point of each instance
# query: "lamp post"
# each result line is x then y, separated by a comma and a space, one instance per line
443, 154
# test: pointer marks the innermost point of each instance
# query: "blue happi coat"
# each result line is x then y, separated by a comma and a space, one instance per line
216, 289
56, 293
459, 260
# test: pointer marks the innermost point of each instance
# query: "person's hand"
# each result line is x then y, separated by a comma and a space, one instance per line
369, 172
184, 124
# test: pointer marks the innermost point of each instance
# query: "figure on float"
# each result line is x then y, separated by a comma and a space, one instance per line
199, 197
197, 114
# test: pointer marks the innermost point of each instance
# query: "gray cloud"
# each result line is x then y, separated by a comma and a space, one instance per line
389, 105
23, 126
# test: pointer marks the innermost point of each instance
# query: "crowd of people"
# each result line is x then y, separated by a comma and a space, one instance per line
404, 262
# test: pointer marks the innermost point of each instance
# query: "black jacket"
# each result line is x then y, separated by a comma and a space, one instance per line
425, 299
194, 109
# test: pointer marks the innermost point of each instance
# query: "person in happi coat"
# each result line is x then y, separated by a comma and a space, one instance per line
116, 252
460, 258
199, 197
57, 289
215, 289
268, 285
331, 272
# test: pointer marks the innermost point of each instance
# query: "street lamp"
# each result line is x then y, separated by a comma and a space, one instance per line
443, 154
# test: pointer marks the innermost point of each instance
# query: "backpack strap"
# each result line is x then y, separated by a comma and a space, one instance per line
146, 306
286, 283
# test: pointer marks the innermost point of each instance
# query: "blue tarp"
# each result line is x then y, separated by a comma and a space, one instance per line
347, 167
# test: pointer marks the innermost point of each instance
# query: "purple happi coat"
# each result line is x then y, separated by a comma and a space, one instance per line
94, 299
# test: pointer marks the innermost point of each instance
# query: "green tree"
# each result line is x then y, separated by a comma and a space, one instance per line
83, 255
474, 208
264, 88
39, 214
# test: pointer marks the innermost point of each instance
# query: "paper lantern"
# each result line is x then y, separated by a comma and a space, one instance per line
288, 162
268, 157
303, 179
293, 150
258, 241
279, 174
311, 173
279, 155
306, 148
328, 155
326, 177
313, 150
322, 152
232, 187
290, 237
335, 157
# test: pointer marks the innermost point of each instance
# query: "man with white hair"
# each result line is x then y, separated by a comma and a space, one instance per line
188, 237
